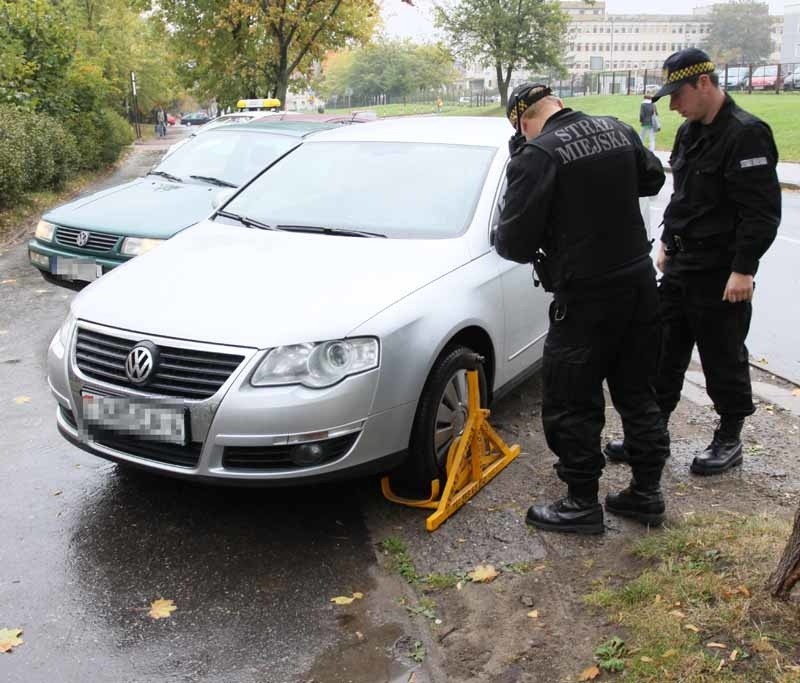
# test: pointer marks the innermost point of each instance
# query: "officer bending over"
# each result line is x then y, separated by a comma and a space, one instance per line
572, 209
723, 216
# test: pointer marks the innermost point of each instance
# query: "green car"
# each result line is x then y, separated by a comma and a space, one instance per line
77, 242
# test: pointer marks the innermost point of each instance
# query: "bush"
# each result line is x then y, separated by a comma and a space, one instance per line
101, 136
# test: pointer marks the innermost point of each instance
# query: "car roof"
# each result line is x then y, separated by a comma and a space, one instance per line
488, 131
297, 129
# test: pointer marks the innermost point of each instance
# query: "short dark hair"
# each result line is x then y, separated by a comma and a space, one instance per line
712, 76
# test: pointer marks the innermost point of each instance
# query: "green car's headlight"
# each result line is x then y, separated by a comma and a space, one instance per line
136, 246
44, 231
317, 365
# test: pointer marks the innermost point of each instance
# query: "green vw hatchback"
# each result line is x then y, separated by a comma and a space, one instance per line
77, 242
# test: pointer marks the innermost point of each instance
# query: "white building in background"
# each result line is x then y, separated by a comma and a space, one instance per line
790, 50
598, 41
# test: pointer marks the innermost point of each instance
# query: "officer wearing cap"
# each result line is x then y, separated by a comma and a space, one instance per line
723, 215
572, 209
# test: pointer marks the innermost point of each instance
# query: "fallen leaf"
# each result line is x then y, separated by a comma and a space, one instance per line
734, 655
483, 573
762, 361
658, 598
10, 638
534, 614
57, 492
678, 613
19, 400
719, 646
692, 628
589, 674
359, 635
540, 567
796, 392
344, 600
744, 590
721, 664
161, 609
669, 653
459, 585
2, 332
7, 282
646, 659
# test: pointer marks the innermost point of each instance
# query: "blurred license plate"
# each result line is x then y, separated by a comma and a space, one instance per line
84, 269
136, 417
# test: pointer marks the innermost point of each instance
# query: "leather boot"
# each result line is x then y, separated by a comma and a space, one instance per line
725, 450
642, 501
579, 512
615, 450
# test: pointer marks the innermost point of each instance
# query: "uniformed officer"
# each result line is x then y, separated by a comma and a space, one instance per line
723, 215
572, 209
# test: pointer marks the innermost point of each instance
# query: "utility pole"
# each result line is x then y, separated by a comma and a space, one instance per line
136, 125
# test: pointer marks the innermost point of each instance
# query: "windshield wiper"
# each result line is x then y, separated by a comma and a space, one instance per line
246, 221
166, 175
328, 231
213, 181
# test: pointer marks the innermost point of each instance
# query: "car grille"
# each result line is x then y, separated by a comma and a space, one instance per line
277, 457
182, 373
97, 241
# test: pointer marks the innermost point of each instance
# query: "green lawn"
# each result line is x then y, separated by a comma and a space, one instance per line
781, 112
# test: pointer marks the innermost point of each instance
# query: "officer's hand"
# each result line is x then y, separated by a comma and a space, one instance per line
739, 288
516, 142
662, 258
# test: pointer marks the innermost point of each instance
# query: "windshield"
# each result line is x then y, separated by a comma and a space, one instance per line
227, 155
224, 121
401, 190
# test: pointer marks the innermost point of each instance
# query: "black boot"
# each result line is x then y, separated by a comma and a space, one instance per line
579, 512
642, 501
725, 450
615, 450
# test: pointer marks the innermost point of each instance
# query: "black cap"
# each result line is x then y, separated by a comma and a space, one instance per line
679, 67
522, 97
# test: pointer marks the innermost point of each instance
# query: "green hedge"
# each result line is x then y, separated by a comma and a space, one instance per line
37, 152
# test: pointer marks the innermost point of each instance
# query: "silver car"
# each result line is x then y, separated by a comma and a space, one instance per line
318, 325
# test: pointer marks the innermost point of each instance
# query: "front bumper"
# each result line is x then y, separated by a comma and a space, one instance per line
43, 255
242, 434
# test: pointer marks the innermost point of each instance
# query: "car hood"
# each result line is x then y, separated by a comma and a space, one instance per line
147, 207
238, 286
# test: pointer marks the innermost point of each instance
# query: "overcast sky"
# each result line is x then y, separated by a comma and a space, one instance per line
403, 21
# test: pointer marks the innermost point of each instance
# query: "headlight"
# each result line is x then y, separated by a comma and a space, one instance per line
65, 333
317, 365
136, 246
44, 231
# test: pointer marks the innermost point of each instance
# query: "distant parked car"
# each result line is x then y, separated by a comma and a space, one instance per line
736, 76
792, 80
78, 242
764, 78
171, 120
197, 118
464, 99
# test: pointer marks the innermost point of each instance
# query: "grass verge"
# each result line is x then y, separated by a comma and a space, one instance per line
701, 612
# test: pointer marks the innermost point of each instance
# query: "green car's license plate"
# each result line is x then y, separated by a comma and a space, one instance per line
136, 417
84, 269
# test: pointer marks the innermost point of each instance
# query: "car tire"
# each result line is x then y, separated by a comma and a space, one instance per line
441, 413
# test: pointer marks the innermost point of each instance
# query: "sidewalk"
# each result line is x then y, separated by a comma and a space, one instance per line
788, 173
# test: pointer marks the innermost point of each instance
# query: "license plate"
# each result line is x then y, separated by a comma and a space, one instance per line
136, 417
84, 269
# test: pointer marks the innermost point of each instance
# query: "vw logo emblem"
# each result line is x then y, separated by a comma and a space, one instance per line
141, 362
82, 238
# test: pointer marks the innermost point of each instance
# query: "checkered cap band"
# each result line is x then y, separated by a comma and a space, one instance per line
526, 99
688, 72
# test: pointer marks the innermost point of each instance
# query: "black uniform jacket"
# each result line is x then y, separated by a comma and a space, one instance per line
726, 204
573, 191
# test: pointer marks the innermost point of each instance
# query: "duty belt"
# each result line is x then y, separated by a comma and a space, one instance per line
712, 242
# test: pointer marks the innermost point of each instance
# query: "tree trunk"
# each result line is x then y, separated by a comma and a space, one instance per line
787, 573
282, 76
502, 85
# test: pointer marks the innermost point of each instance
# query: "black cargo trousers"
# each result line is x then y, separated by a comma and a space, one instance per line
692, 311
613, 335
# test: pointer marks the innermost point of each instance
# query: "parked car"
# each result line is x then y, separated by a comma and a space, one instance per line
197, 118
223, 120
171, 119
792, 80
736, 76
764, 78
79, 241
465, 99
318, 325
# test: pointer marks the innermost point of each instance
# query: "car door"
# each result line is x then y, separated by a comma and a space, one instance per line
525, 307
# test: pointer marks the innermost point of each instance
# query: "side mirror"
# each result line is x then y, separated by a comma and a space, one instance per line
222, 197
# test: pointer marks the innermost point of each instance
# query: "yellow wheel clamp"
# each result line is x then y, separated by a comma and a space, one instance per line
474, 459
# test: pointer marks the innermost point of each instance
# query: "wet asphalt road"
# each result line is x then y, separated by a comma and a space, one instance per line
86, 547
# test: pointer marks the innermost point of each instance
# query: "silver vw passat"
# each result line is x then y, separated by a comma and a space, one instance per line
318, 324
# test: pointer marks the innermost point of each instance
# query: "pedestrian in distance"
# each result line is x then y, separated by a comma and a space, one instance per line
649, 121
722, 217
572, 209
161, 122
